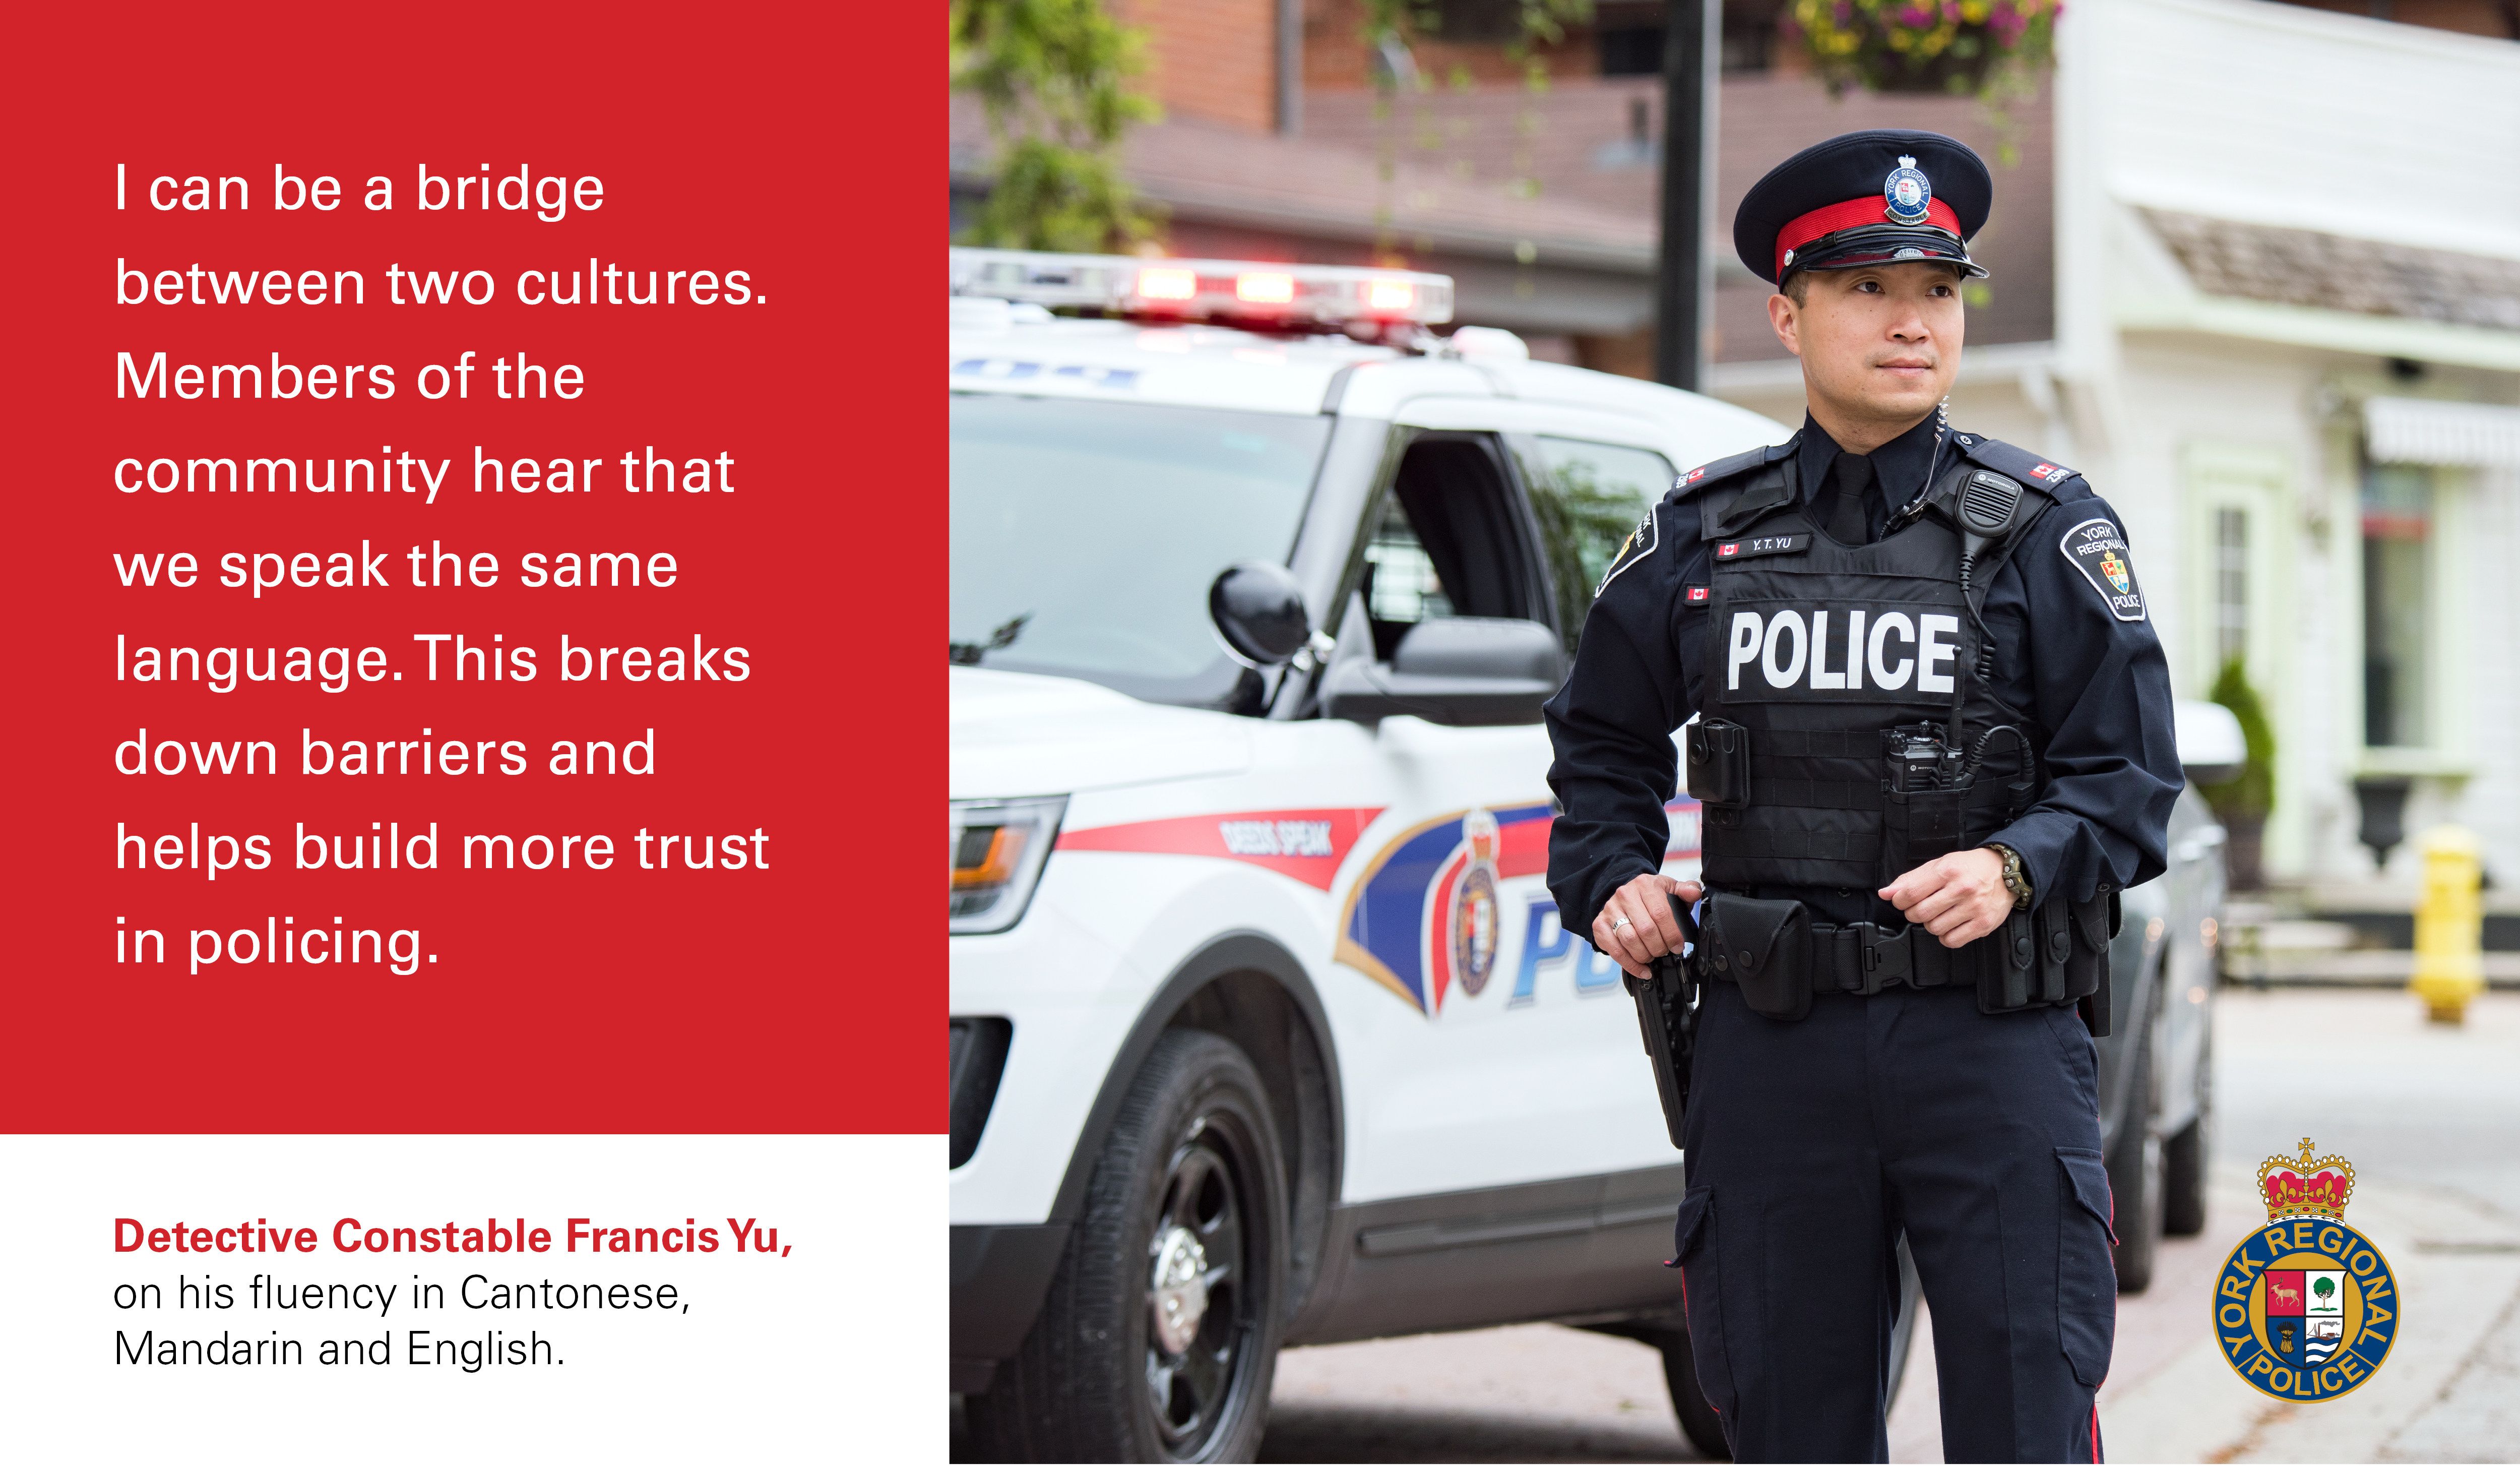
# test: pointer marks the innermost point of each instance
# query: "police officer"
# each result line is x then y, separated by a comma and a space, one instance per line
1933, 743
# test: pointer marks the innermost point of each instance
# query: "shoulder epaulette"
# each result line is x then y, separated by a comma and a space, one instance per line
2018, 463
1708, 475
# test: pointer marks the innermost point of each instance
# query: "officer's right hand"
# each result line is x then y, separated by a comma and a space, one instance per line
1636, 925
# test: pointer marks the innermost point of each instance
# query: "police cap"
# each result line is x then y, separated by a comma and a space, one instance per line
1864, 197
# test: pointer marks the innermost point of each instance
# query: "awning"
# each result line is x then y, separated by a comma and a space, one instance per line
2415, 430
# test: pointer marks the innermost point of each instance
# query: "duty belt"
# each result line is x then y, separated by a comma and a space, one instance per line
1779, 957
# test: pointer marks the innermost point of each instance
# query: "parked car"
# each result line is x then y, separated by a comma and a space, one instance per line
2156, 1066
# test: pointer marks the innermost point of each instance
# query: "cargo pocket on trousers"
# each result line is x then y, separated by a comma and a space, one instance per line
1702, 1295
2086, 1279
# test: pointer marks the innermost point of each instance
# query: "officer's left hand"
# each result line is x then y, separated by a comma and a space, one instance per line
1959, 897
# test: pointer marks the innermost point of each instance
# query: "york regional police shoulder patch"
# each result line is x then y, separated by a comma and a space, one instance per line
2097, 549
1639, 543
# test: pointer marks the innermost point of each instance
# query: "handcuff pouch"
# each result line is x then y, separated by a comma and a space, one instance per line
1763, 947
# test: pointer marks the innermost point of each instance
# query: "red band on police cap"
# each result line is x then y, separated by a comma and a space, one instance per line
1869, 209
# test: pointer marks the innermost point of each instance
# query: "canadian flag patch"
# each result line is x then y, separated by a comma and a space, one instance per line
2047, 471
1697, 594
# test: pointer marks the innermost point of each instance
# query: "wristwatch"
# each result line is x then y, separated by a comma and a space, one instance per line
2016, 879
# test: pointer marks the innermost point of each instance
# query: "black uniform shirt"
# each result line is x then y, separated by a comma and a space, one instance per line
1898, 470
2096, 688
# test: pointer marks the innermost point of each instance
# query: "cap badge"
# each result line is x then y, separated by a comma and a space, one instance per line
1906, 192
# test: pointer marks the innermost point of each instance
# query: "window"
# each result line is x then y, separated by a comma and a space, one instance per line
2231, 584
1632, 37
2233, 568
2397, 551
1401, 583
1084, 535
1632, 51
1588, 498
1449, 542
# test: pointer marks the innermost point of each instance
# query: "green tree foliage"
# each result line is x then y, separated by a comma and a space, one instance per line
1054, 76
1391, 30
1581, 527
2250, 794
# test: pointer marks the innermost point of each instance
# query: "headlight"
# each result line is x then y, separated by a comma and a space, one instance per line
999, 847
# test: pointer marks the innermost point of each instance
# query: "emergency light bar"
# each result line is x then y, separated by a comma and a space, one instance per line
1243, 291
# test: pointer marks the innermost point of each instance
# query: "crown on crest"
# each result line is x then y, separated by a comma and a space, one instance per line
2300, 1186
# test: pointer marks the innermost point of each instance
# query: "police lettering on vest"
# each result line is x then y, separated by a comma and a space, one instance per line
1865, 653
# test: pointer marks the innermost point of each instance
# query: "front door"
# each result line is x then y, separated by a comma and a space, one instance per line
1486, 1043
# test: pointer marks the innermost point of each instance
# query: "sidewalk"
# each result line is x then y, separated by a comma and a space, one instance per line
2310, 967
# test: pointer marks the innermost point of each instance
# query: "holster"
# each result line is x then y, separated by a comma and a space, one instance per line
1667, 1017
1718, 765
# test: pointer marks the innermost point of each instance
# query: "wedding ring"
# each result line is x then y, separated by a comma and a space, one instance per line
1621, 922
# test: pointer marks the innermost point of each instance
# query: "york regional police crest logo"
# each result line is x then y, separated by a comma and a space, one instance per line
1475, 913
2306, 1309
1906, 192
2097, 549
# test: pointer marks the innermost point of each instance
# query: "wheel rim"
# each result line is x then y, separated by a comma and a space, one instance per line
1196, 1321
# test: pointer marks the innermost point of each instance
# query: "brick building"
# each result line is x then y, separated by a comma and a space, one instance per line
1278, 142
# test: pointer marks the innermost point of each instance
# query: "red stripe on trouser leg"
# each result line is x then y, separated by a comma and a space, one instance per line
1692, 1343
2096, 1435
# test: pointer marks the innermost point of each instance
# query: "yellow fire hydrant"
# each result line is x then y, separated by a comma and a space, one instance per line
2450, 924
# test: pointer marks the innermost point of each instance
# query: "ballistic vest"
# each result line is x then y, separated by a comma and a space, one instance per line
1845, 730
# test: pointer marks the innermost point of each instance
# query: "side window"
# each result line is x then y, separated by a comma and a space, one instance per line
1449, 542
1588, 498
1400, 580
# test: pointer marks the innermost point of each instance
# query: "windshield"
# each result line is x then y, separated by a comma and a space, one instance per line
1085, 534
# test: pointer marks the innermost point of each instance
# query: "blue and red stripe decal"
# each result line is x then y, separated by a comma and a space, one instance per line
1306, 844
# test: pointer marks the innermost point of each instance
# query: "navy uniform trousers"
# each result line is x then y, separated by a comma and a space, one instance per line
1811, 1145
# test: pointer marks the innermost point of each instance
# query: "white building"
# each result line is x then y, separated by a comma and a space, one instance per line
2287, 347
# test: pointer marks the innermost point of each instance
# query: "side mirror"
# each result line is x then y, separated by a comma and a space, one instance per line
1259, 612
1465, 671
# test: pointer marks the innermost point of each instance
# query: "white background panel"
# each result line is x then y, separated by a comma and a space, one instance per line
833, 1349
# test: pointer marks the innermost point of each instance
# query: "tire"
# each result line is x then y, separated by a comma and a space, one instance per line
2184, 1158
1903, 1334
1159, 1336
1699, 1420
2136, 1182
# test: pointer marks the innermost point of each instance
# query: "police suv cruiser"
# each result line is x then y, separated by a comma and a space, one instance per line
1265, 1030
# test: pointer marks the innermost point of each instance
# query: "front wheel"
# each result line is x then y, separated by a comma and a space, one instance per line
1698, 1420
1159, 1337
2184, 1157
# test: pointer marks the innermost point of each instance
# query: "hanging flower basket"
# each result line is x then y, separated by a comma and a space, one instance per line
1953, 47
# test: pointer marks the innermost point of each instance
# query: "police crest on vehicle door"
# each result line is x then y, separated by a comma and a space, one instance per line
1475, 914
